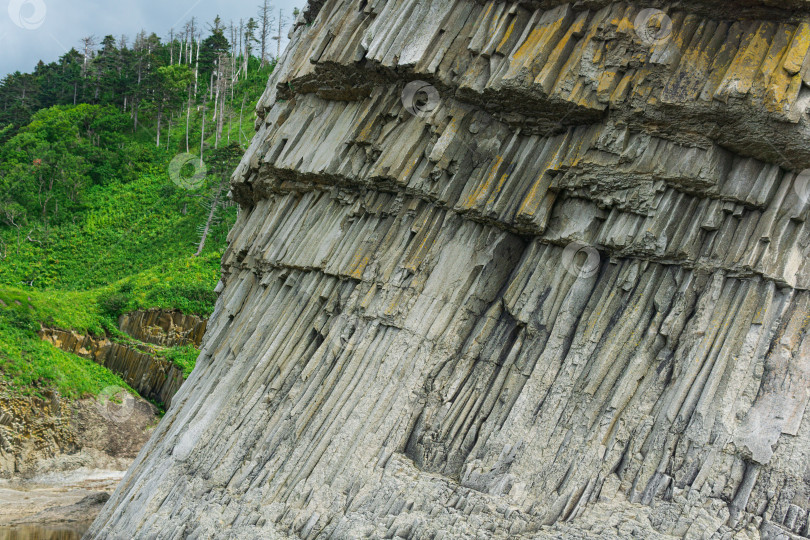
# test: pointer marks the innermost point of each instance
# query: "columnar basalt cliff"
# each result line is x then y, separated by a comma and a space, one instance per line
507, 269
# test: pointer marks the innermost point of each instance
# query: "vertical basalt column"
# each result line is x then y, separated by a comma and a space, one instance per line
503, 269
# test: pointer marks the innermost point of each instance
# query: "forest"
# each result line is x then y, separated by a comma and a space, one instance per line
114, 169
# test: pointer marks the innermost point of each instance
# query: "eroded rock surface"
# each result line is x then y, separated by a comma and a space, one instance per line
564, 294
138, 365
54, 507
54, 434
162, 327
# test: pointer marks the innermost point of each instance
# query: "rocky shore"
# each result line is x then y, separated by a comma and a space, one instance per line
55, 506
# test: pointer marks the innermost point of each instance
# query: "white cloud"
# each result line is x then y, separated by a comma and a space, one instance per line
66, 22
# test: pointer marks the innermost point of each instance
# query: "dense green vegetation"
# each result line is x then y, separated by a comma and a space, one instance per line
30, 364
93, 222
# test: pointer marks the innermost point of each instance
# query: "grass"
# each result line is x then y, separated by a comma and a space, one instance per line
124, 244
186, 284
63, 309
183, 357
30, 366
130, 250
125, 229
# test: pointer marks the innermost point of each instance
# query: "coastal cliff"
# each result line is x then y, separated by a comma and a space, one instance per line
507, 269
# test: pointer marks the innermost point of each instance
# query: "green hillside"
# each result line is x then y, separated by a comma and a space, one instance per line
104, 206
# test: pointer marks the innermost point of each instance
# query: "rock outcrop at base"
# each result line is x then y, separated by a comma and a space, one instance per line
507, 269
140, 365
50, 433
142, 369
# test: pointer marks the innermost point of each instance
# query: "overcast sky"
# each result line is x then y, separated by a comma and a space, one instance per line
33, 30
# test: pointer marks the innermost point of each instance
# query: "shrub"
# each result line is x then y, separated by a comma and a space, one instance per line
22, 319
190, 298
115, 303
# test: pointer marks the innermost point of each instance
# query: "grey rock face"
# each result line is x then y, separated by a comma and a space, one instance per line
507, 270
164, 328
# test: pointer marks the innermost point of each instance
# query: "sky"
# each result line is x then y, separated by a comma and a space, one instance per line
33, 30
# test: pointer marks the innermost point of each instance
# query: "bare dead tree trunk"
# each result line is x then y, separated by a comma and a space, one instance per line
196, 63
188, 117
221, 113
278, 38
135, 113
202, 136
264, 16
217, 116
210, 219
230, 116
241, 110
159, 118
169, 132
222, 90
